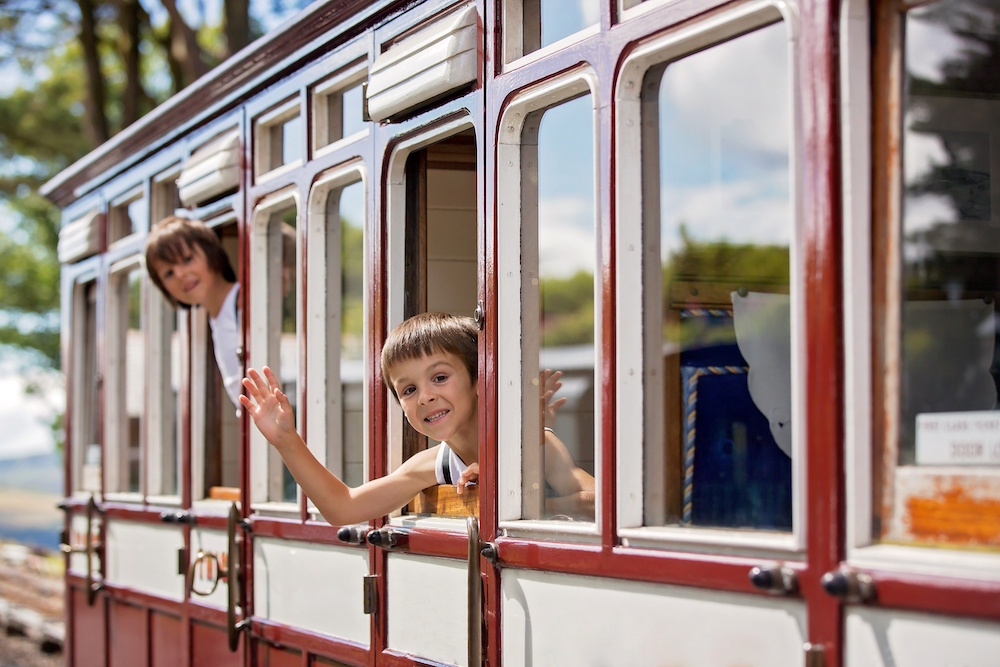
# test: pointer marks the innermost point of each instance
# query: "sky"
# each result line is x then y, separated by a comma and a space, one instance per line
26, 418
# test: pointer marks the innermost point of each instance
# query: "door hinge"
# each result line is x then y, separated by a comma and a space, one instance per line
182, 561
815, 655
371, 593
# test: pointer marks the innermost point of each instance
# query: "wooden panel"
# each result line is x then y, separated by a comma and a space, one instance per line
446, 501
165, 640
210, 648
128, 638
89, 631
275, 657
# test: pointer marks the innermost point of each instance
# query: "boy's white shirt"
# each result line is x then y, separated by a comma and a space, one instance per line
455, 464
226, 339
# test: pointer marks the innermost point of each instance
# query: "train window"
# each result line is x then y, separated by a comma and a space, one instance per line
86, 390
550, 262
166, 196
937, 462
338, 109
530, 25
127, 216
278, 139
718, 229
215, 437
274, 326
126, 382
164, 432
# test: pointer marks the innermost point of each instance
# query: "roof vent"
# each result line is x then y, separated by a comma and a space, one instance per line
211, 171
80, 238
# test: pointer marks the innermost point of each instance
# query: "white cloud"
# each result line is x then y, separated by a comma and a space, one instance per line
928, 46
923, 152
566, 236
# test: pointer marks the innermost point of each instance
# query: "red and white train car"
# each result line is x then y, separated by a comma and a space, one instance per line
759, 238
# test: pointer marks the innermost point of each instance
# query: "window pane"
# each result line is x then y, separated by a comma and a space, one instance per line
720, 424
352, 293
127, 366
172, 408
88, 449
559, 306
352, 100
291, 140
561, 18
949, 366
283, 284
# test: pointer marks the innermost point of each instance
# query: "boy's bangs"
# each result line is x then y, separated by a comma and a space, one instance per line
169, 249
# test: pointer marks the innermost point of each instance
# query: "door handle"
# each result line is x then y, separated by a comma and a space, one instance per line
91, 549
475, 594
233, 580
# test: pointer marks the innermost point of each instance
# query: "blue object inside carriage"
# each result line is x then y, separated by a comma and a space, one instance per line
736, 476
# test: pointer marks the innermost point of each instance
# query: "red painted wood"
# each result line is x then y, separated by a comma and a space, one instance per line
310, 642
165, 641
128, 637
89, 640
390, 658
210, 647
958, 597
274, 656
137, 598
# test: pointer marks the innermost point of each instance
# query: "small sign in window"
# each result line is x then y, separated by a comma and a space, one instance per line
959, 438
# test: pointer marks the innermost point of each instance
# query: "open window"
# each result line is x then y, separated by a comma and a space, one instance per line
338, 108
125, 398
550, 268
707, 215
936, 277
215, 424
274, 330
335, 426
437, 267
127, 215
531, 25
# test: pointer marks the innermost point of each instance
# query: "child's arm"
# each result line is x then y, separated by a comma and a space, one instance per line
338, 503
574, 486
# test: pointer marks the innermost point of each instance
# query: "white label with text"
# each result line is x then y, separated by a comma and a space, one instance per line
958, 438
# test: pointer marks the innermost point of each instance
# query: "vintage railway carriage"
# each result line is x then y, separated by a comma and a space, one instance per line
758, 237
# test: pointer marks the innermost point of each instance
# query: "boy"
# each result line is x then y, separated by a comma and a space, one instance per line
429, 362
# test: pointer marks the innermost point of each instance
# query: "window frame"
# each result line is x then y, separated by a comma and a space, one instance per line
633, 342
80, 387
114, 401
576, 83
512, 37
265, 144
321, 93
264, 460
116, 207
324, 426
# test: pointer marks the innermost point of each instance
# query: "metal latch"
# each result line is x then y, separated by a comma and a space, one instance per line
371, 593
777, 580
849, 585
815, 655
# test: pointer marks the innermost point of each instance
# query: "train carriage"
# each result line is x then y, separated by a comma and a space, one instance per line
754, 236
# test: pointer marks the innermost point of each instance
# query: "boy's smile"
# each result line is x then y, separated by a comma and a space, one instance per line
439, 399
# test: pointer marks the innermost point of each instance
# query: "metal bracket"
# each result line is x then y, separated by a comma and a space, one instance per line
777, 580
370, 602
815, 655
479, 315
849, 585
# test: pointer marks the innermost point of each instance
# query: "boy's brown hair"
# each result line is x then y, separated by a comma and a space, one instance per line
170, 238
427, 333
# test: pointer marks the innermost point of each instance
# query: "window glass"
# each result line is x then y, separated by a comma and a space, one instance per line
291, 140
718, 414
949, 361
351, 209
353, 107
127, 365
544, 22
560, 262
87, 448
127, 218
283, 346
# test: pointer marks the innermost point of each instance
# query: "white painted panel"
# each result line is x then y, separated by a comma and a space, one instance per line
881, 638
80, 238
210, 171
144, 557
553, 619
311, 586
428, 602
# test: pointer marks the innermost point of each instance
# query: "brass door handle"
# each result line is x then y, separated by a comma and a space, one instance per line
233, 580
203, 555
91, 549
475, 594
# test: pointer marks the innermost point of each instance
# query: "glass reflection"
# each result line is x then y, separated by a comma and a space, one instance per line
352, 100
133, 389
566, 266
951, 229
562, 18
352, 211
282, 243
724, 235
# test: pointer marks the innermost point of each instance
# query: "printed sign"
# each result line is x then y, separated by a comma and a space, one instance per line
958, 438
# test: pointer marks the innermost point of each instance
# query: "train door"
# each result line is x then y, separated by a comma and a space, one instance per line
920, 578
432, 265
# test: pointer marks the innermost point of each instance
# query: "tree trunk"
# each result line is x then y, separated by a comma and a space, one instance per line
129, 19
237, 25
97, 122
184, 46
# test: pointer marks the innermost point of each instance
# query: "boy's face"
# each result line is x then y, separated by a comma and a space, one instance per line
437, 395
191, 280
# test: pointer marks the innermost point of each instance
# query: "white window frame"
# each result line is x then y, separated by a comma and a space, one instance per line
396, 281
120, 203
515, 363
856, 110
322, 107
158, 414
324, 411
632, 345
114, 410
265, 463
265, 145
162, 182
512, 47
81, 385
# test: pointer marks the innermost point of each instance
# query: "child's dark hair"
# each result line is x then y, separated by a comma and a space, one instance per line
168, 241
428, 333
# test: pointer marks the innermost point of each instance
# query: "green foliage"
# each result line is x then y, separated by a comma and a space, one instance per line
567, 310
352, 289
747, 264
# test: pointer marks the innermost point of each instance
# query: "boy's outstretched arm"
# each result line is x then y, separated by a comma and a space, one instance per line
338, 503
